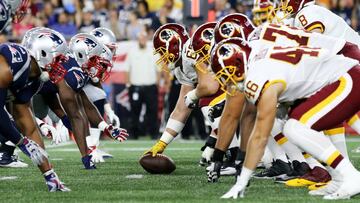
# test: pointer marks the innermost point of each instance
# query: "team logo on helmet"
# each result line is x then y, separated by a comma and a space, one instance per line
207, 35
225, 51
98, 33
3, 13
227, 29
55, 38
166, 35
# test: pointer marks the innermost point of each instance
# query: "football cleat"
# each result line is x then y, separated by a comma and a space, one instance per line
278, 168
88, 163
228, 169
96, 157
331, 187
53, 182
299, 169
8, 161
316, 175
349, 187
104, 154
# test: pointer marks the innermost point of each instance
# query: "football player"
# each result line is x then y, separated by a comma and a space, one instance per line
67, 80
172, 43
321, 90
262, 11
20, 75
95, 60
11, 11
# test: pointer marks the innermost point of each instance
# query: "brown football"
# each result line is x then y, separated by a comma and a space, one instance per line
160, 164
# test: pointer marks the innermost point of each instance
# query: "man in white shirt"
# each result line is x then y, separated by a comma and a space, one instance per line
142, 79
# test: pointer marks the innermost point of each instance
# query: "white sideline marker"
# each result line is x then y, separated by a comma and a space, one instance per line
135, 176
8, 177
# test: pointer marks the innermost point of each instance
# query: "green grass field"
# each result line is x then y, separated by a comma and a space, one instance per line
111, 181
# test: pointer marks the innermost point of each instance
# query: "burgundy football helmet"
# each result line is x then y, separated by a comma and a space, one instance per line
291, 7
229, 63
168, 42
201, 42
262, 11
233, 25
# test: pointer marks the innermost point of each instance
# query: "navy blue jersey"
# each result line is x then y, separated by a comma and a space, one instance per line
5, 16
25, 94
74, 77
18, 60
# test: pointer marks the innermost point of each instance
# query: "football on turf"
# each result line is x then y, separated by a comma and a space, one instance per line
159, 164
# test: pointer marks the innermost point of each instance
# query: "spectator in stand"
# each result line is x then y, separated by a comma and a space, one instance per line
221, 8
124, 9
142, 79
65, 26
162, 19
88, 23
145, 16
113, 24
50, 17
19, 29
100, 12
134, 28
344, 8
173, 12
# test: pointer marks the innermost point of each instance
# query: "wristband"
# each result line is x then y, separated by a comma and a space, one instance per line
192, 95
166, 137
65, 120
218, 155
102, 125
211, 141
175, 125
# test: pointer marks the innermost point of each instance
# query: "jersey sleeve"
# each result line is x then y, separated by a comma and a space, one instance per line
181, 77
75, 77
310, 18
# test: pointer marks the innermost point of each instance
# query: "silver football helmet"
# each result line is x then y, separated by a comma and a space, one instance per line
18, 9
94, 57
105, 36
48, 47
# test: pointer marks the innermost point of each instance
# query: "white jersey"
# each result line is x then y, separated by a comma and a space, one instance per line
186, 73
302, 70
270, 35
316, 17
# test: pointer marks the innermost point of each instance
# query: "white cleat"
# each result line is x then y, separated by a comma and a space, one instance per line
348, 188
96, 156
330, 188
104, 154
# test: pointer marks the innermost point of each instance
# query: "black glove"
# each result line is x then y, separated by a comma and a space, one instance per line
216, 110
214, 173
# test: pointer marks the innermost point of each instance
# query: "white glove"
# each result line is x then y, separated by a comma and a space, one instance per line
191, 99
62, 135
239, 188
111, 116
48, 131
207, 153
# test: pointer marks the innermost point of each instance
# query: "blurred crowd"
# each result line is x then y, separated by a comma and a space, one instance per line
127, 18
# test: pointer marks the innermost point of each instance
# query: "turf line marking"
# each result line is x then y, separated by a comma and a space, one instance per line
59, 145
135, 176
8, 177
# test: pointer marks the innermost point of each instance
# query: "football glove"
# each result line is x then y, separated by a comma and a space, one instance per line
238, 190
214, 172
33, 151
53, 182
216, 110
158, 148
48, 131
62, 133
119, 134
207, 154
191, 100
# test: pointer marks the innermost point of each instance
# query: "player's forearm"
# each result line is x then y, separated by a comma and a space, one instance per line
226, 131
255, 150
79, 126
92, 113
247, 122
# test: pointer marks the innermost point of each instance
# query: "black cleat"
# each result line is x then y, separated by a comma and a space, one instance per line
278, 168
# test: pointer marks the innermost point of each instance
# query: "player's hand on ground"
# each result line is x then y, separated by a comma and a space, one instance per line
191, 100
48, 131
158, 148
113, 119
238, 190
33, 151
119, 134
214, 172
207, 154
